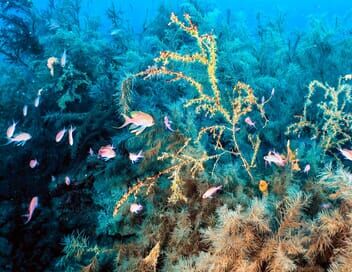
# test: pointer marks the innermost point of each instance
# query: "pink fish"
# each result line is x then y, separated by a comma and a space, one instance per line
20, 139
347, 153
136, 208
11, 129
33, 163
25, 110
107, 152
167, 123
60, 135
211, 191
275, 158
67, 180
135, 157
306, 168
32, 206
70, 136
249, 122
139, 121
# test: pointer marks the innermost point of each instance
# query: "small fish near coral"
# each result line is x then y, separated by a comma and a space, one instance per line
32, 206
211, 192
107, 152
139, 121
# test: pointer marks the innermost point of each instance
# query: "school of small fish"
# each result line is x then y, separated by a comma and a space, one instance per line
139, 121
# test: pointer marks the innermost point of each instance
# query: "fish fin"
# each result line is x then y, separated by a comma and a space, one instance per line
28, 218
128, 121
133, 126
9, 142
139, 130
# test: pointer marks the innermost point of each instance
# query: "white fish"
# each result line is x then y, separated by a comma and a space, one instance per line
63, 59
25, 110
135, 157
211, 191
40, 91
70, 136
11, 129
136, 208
36, 102
67, 180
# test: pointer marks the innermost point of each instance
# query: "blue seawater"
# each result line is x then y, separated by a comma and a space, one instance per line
175, 135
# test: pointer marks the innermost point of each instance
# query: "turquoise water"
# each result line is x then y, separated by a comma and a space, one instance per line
175, 135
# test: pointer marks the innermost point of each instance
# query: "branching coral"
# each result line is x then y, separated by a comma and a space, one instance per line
212, 103
331, 121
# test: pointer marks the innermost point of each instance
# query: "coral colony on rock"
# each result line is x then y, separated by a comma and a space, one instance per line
200, 144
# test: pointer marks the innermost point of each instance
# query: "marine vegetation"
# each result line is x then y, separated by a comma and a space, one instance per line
201, 144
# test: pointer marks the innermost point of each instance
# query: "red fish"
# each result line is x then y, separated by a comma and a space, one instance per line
32, 206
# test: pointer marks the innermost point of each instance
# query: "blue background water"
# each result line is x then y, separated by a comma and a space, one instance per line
297, 13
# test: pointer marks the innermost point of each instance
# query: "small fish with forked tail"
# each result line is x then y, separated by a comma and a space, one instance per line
135, 157
139, 121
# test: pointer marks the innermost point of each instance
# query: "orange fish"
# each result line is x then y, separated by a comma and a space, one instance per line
211, 191
11, 129
347, 153
60, 135
32, 206
139, 121
263, 187
107, 152
50, 64
20, 139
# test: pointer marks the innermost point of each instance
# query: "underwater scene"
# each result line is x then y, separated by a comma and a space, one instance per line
190, 135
